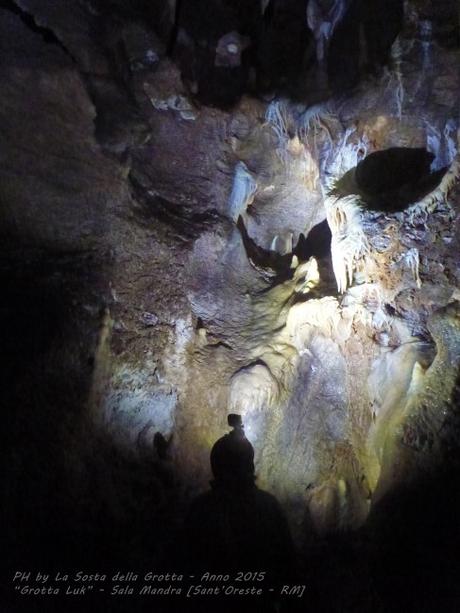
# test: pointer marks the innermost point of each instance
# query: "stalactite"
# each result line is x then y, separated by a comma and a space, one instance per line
441, 142
450, 137
396, 54
243, 190
430, 202
314, 118
349, 242
323, 23
277, 116
412, 259
347, 155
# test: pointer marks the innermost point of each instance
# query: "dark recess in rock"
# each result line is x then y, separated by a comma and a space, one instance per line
317, 243
391, 179
27, 19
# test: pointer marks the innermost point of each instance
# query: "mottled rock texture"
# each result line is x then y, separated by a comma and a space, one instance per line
184, 237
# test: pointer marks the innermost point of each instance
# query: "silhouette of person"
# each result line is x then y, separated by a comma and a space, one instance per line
232, 458
235, 526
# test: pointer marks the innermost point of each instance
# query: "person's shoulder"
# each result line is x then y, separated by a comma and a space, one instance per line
266, 498
204, 497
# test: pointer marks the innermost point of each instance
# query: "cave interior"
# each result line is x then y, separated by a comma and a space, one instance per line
232, 206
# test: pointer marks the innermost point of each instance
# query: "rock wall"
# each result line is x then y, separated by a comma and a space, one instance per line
213, 253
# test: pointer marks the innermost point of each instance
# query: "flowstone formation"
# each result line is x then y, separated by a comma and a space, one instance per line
220, 236
322, 377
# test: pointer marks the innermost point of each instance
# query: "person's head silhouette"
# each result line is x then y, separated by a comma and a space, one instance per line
232, 457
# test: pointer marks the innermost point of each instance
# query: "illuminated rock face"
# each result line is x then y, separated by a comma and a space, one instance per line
212, 293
